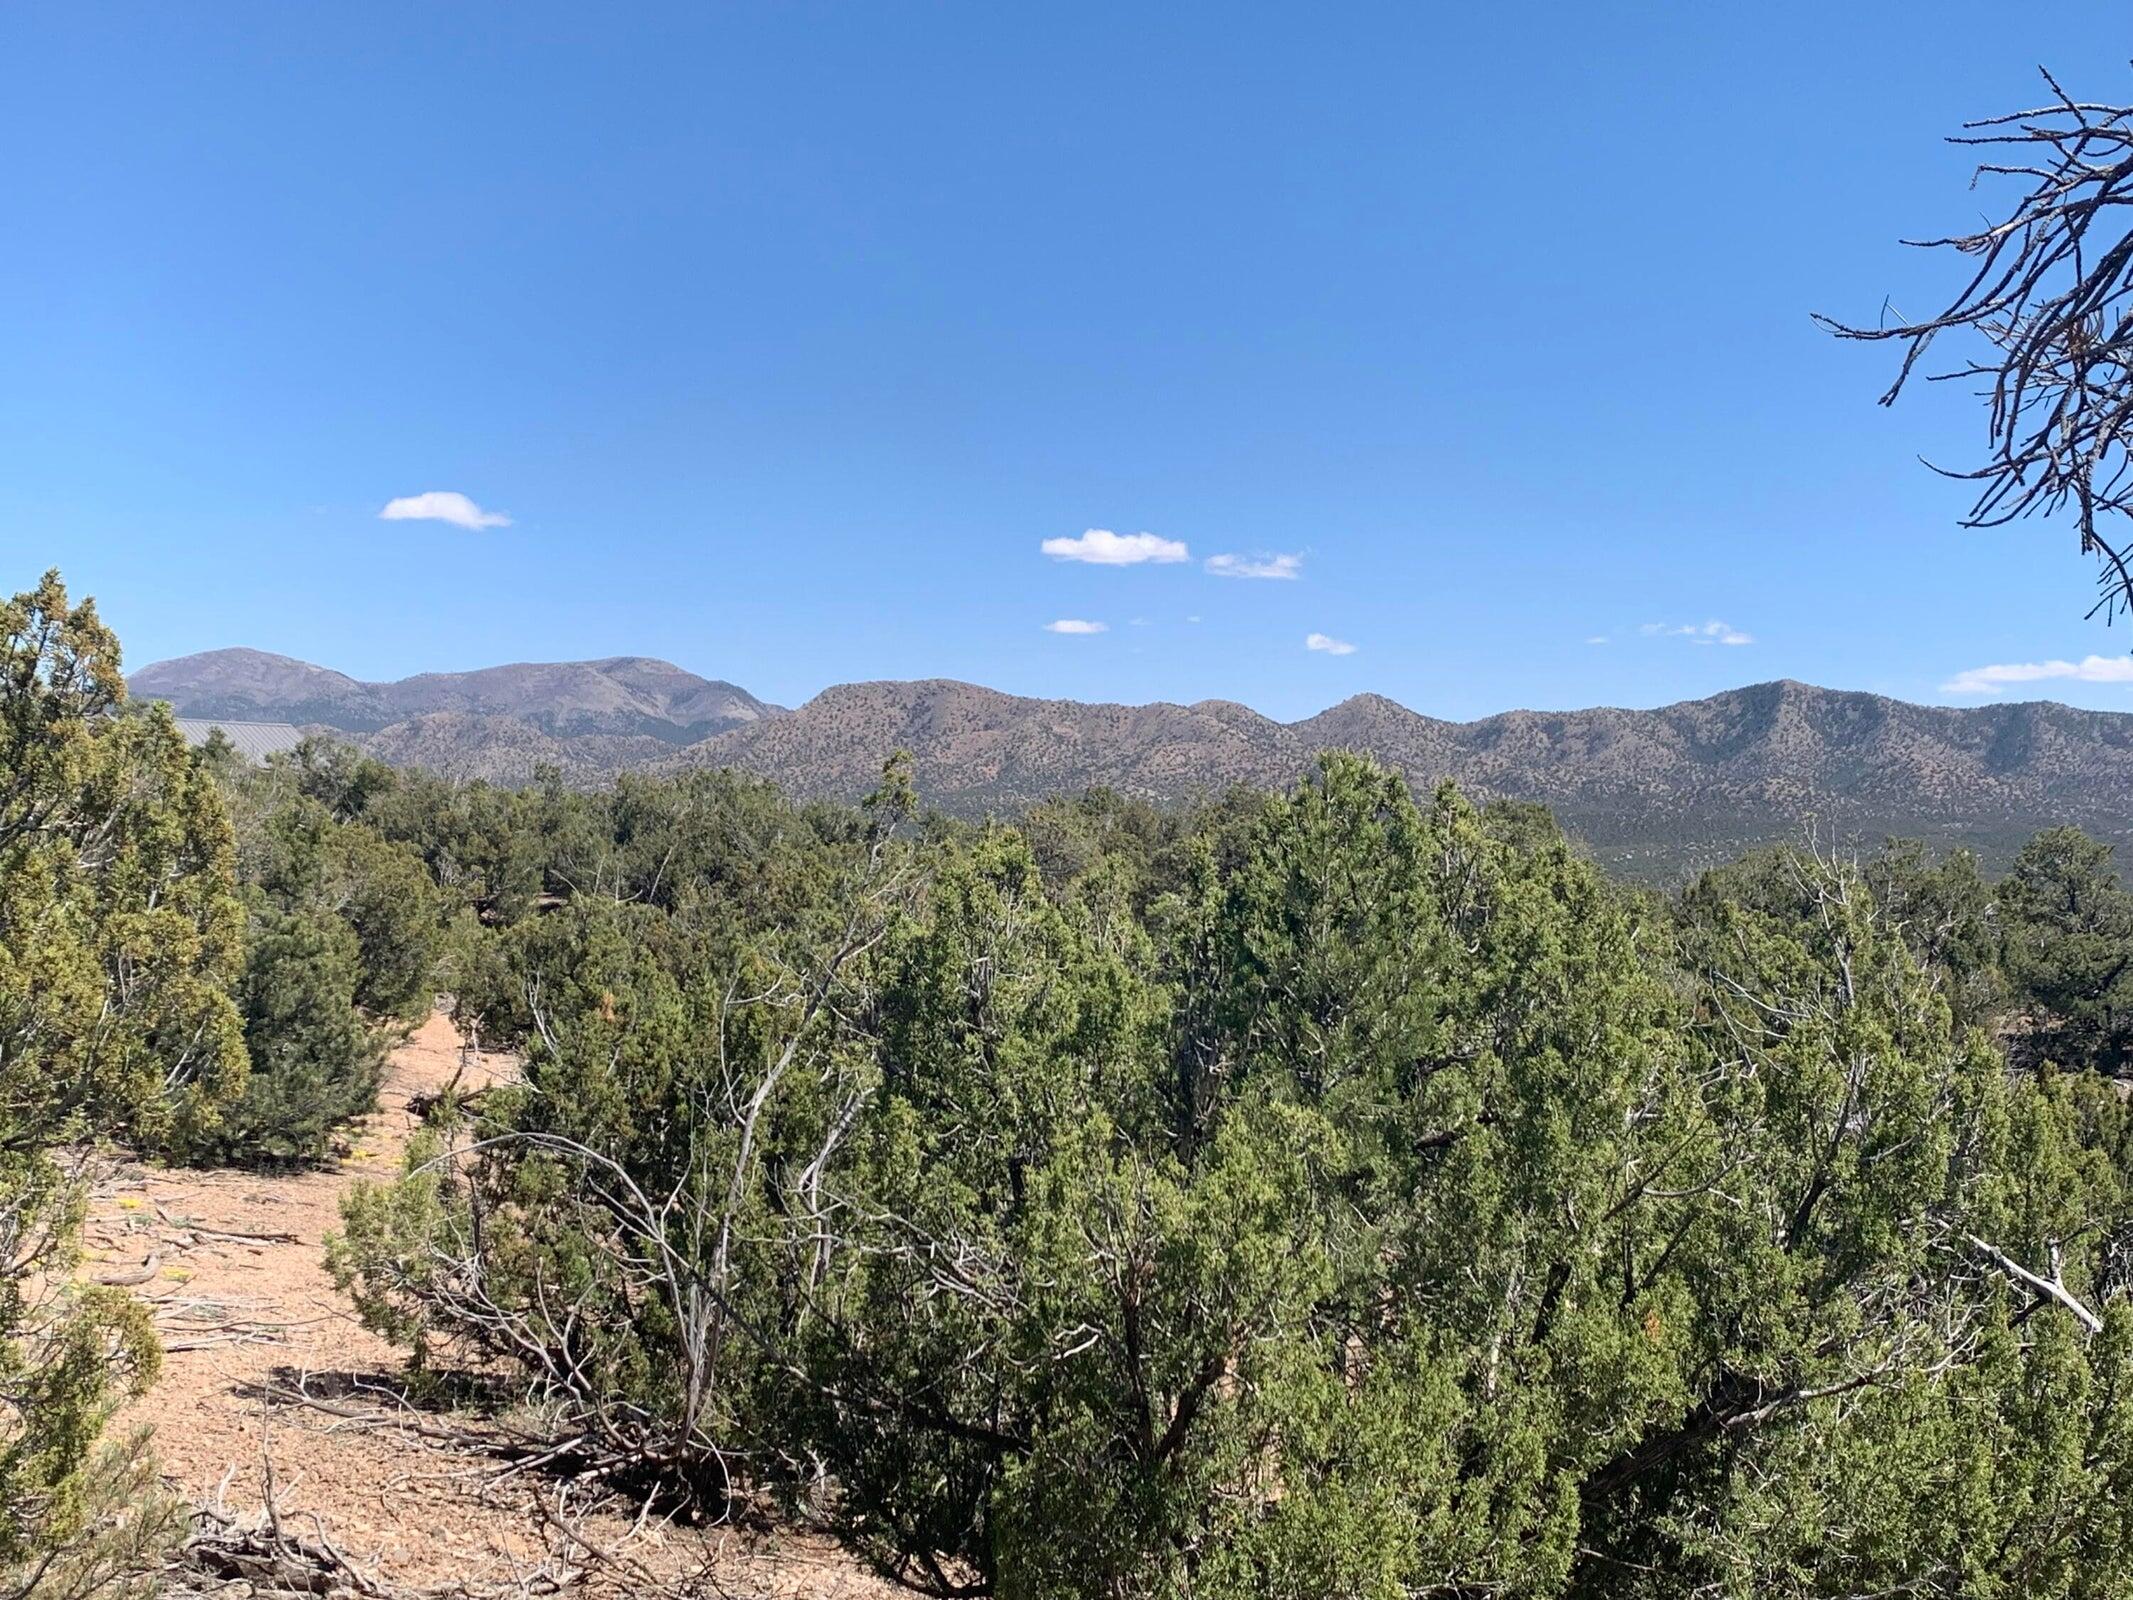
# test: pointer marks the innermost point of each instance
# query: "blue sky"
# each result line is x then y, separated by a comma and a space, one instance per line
787, 335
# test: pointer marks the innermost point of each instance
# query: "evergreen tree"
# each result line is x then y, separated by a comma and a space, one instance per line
119, 934
315, 1061
343, 943
2068, 925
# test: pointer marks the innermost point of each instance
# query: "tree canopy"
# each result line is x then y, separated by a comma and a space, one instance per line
1331, 1195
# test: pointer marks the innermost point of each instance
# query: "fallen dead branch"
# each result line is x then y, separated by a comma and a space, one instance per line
263, 1553
185, 1322
258, 1551
200, 1230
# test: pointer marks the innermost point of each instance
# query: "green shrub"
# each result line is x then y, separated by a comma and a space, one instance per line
316, 1062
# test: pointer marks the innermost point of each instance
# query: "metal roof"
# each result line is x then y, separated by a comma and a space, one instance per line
255, 741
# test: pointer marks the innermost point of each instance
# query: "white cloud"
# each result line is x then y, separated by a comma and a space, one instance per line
1997, 679
1104, 548
1076, 625
1256, 566
1327, 643
1598, 638
442, 505
1698, 633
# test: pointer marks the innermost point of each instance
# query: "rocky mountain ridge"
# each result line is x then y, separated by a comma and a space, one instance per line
1653, 792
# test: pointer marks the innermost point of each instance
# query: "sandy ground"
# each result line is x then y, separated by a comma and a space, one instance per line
232, 1264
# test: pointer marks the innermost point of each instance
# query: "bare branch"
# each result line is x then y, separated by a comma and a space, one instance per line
2049, 296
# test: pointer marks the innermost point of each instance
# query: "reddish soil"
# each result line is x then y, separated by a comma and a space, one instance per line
232, 1264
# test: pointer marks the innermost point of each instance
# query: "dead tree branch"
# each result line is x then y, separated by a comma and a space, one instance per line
2050, 298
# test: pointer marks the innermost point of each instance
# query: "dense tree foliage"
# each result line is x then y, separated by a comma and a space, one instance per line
345, 928
118, 933
1317, 1195
2069, 947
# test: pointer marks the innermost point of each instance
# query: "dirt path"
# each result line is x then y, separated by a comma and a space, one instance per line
232, 1264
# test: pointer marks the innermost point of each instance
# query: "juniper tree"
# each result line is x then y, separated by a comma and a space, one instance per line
119, 935
2067, 923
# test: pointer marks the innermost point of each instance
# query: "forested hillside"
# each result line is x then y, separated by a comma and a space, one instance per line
1655, 795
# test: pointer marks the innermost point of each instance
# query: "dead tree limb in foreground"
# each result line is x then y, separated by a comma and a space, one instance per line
2049, 297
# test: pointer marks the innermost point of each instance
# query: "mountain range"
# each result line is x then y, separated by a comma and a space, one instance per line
627, 696
1652, 793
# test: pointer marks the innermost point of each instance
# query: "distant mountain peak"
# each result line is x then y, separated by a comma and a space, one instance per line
1369, 701
234, 660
